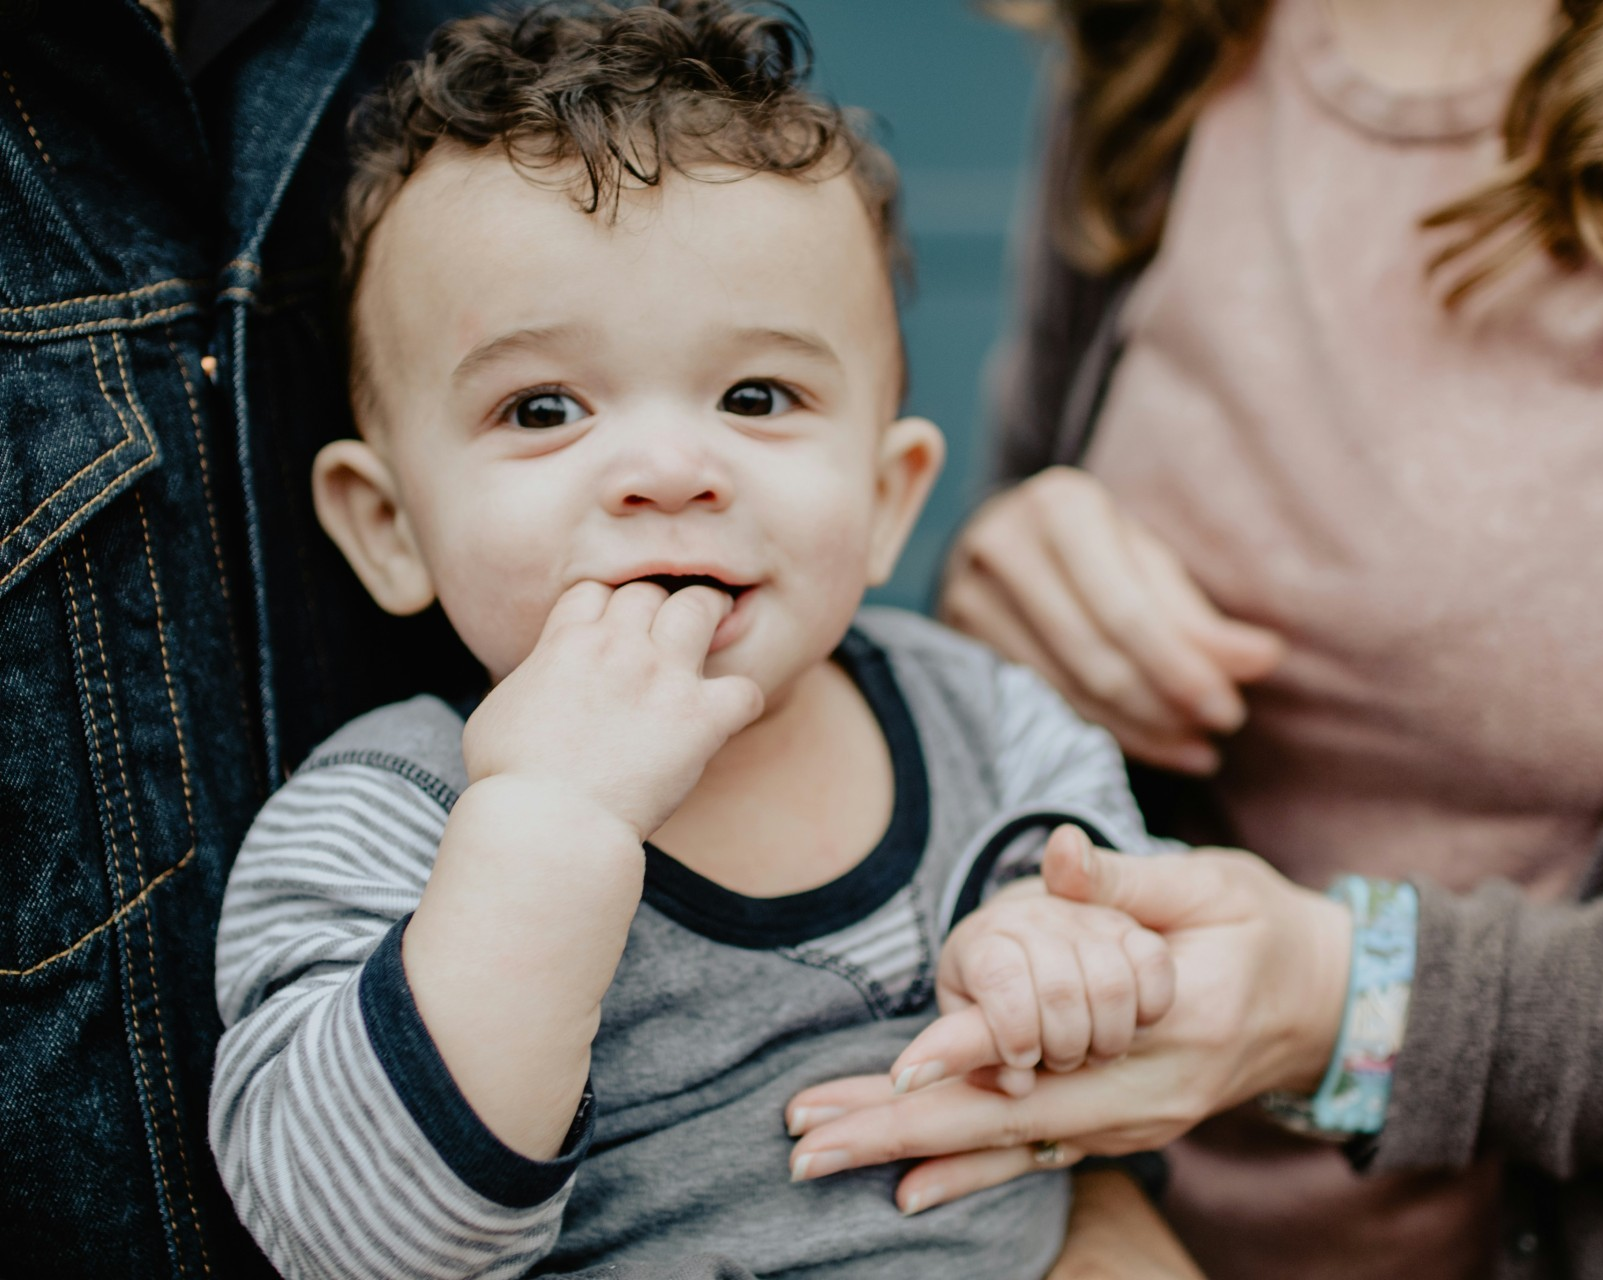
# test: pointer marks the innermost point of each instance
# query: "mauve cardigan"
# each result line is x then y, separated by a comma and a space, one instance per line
1504, 1051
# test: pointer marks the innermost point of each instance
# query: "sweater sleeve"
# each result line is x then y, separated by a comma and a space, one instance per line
1048, 375
345, 1144
1505, 1031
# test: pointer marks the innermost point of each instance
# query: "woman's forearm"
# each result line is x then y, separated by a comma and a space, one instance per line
1115, 1233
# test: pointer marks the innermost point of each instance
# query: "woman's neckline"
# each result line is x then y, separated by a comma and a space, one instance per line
1304, 31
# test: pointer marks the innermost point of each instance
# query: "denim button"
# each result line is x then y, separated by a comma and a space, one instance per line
1526, 1244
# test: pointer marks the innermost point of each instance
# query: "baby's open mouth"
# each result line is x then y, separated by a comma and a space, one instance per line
671, 582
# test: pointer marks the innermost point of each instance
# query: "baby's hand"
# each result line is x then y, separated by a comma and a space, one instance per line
1030, 979
612, 707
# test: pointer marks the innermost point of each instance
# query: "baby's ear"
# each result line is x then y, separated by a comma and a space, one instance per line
359, 507
911, 452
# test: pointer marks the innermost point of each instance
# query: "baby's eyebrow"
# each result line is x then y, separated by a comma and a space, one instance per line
798, 341
519, 340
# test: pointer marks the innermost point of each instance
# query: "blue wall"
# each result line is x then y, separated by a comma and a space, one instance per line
955, 94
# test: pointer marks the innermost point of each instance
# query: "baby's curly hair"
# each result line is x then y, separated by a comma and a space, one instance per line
606, 96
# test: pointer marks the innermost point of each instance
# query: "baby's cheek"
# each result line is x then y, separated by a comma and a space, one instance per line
497, 604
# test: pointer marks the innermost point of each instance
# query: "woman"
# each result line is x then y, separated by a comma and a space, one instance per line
1339, 505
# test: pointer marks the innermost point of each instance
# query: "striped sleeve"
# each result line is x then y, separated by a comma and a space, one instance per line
346, 1146
1049, 760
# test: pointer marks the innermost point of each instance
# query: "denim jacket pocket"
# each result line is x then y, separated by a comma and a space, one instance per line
75, 434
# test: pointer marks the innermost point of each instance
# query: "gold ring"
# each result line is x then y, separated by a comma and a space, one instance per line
1049, 1154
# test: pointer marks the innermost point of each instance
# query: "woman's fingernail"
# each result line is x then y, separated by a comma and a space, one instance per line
804, 1118
1222, 711
918, 1077
921, 1200
1197, 758
818, 1164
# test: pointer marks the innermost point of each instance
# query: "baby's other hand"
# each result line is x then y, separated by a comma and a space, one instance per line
1033, 980
612, 706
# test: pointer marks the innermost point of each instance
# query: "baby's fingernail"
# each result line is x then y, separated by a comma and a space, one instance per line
1015, 1083
804, 1118
918, 1077
1022, 1061
818, 1164
921, 1200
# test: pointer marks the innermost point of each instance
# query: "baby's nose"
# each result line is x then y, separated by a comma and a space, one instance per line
668, 479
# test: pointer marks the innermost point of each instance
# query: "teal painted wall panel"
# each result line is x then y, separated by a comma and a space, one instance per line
955, 94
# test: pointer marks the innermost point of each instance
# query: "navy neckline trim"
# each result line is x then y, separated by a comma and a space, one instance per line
699, 904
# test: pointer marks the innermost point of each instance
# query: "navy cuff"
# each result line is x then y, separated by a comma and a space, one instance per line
418, 1073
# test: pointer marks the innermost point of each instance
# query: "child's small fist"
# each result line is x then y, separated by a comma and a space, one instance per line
1031, 980
612, 706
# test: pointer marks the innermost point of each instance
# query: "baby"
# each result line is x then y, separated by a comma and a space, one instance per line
532, 991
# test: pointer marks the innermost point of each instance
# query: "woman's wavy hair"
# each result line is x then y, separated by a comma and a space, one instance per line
1142, 70
602, 96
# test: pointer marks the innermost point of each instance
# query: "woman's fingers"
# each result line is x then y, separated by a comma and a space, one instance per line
975, 604
834, 1099
952, 1045
1242, 651
1093, 544
952, 1115
1161, 891
1124, 631
1056, 606
933, 1182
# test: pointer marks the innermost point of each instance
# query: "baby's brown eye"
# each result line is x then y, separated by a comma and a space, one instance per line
756, 399
547, 409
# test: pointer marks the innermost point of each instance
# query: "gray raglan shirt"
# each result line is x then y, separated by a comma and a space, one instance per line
350, 1152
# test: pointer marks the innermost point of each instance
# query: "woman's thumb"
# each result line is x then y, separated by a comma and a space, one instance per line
1157, 891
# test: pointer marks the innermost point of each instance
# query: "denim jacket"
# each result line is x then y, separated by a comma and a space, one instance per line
174, 631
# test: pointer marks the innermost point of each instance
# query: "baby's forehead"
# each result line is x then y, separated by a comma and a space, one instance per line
473, 242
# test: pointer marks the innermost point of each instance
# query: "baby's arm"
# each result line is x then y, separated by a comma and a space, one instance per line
574, 760
361, 1114
1029, 980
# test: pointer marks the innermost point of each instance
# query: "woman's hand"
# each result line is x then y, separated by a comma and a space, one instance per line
1116, 1234
1261, 976
1054, 575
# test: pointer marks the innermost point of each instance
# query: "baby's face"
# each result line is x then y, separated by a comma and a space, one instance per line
701, 390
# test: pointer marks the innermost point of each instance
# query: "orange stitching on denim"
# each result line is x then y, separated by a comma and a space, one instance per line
94, 729
111, 816
173, 282
128, 439
189, 816
47, 546
166, 667
114, 919
70, 481
139, 868
99, 326
67, 484
26, 119
119, 348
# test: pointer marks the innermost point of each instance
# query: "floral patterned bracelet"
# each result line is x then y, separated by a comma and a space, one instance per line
1353, 1096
